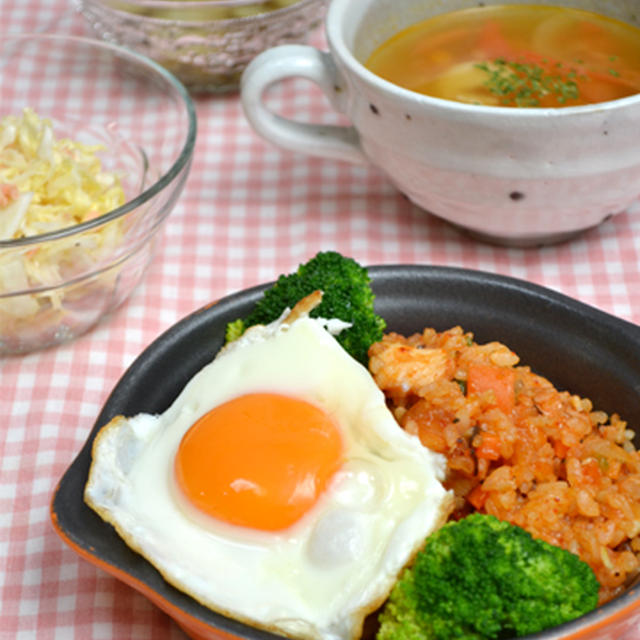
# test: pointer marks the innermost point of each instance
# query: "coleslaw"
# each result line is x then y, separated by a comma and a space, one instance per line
48, 184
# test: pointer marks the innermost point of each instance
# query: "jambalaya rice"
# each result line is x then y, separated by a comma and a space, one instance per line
518, 448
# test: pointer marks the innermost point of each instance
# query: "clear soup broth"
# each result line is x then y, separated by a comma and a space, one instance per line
515, 56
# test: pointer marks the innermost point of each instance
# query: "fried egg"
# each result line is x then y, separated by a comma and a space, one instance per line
277, 489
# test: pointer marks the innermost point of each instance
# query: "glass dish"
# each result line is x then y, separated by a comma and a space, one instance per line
208, 43
56, 285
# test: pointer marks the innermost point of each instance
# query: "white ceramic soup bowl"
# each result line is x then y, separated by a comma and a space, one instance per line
510, 175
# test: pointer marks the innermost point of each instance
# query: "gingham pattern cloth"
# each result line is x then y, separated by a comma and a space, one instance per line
249, 212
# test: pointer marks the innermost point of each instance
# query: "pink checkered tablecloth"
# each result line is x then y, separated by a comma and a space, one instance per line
249, 212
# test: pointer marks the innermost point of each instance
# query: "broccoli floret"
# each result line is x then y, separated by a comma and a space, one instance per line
234, 330
347, 295
481, 578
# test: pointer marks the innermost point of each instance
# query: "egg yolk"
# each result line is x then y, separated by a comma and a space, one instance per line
261, 460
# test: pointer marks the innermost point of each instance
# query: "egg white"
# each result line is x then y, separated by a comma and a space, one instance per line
319, 578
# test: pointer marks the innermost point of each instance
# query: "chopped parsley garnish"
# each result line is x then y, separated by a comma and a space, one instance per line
525, 85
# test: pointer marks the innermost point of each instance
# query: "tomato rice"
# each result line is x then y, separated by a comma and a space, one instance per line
517, 448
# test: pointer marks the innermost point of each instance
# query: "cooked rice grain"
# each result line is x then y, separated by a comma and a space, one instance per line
518, 448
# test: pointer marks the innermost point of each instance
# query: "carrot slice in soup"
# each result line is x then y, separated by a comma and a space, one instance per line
492, 42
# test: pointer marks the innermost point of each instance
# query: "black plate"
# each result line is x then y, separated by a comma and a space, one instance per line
577, 347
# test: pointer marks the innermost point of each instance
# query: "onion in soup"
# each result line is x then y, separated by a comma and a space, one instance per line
515, 56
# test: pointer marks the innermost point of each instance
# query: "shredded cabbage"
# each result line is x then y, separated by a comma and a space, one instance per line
47, 184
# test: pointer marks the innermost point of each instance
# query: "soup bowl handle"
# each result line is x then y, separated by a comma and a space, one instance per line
299, 61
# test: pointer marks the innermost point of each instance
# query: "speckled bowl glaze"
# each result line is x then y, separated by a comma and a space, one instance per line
512, 176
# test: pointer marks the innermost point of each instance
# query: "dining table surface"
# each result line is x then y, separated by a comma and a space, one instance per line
249, 212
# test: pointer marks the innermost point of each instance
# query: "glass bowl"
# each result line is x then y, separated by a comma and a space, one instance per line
205, 43
58, 284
